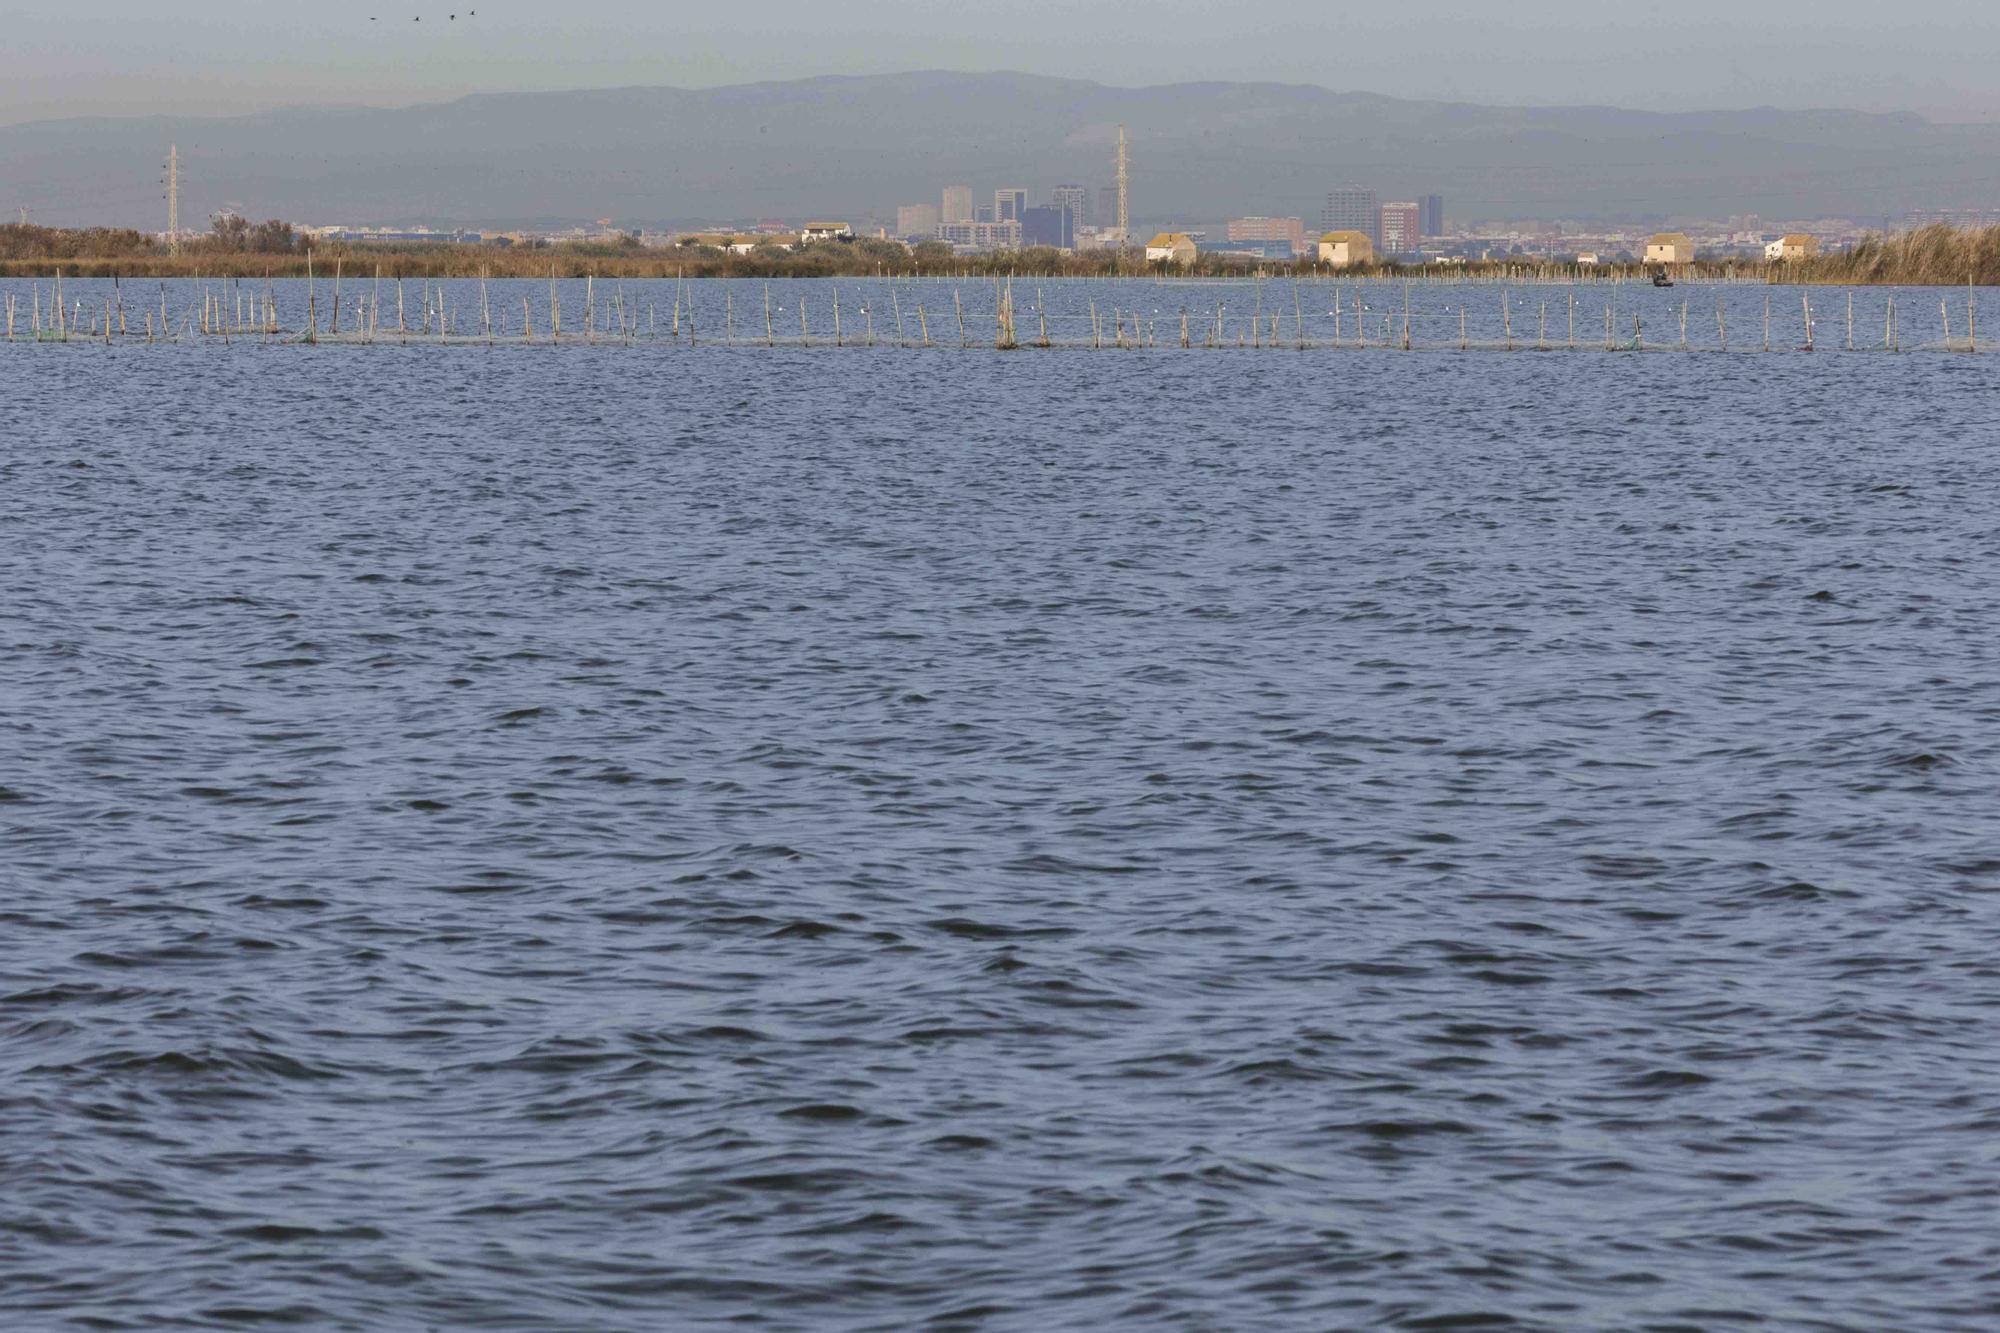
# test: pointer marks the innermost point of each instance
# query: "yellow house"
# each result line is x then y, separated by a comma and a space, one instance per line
1345, 248
1670, 247
1797, 245
1170, 247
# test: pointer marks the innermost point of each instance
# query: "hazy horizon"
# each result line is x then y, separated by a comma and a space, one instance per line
221, 57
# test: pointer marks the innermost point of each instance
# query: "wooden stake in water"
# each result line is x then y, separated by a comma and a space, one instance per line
1971, 318
805, 337
1572, 321
1721, 327
836, 315
924, 325
1850, 319
1767, 323
770, 336
1806, 301
958, 308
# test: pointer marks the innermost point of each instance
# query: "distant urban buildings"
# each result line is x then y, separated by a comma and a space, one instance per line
1952, 217
1292, 231
1352, 208
1433, 221
957, 204
1402, 229
917, 220
1076, 199
1009, 204
1051, 224
981, 235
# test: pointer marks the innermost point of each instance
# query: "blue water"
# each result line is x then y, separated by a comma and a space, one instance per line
655, 837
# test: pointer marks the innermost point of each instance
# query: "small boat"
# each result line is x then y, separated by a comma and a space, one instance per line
1660, 278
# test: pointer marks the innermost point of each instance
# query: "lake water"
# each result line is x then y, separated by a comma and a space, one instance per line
647, 837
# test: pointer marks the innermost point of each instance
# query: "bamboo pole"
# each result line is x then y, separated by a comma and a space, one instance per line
770, 337
1721, 326
805, 336
923, 324
836, 314
958, 307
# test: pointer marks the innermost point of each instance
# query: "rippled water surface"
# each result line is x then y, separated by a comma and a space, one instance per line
638, 838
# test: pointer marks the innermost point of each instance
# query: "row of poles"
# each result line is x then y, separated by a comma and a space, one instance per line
231, 313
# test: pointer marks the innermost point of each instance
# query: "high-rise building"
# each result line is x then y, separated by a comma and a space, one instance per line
916, 220
1433, 214
1402, 228
1052, 224
1290, 230
1107, 205
1009, 204
957, 204
1076, 199
983, 213
1351, 208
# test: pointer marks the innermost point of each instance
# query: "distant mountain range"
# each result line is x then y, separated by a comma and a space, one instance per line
848, 147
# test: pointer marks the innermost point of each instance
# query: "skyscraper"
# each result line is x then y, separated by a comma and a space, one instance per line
1351, 208
1075, 198
1107, 205
1052, 224
1009, 204
1402, 228
916, 220
1433, 214
957, 204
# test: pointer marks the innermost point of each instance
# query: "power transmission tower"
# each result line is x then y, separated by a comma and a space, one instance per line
173, 199
1124, 191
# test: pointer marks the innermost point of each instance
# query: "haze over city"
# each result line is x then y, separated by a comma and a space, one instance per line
1931, 57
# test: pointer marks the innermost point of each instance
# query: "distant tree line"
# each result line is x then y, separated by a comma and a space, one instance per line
230, 234
236, 247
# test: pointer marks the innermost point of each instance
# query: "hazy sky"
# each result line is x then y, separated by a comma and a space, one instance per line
124, 57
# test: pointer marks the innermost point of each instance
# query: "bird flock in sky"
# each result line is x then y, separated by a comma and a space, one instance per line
453, 18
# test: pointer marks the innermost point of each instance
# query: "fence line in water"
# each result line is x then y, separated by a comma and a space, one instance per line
1356, 318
